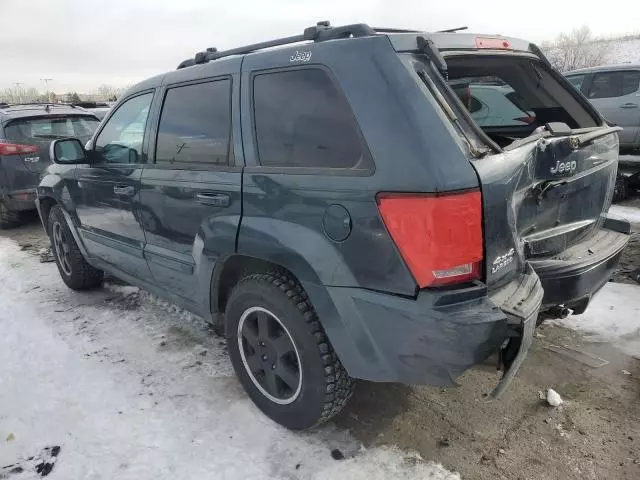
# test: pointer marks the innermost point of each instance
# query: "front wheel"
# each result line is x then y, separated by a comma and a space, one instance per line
281, 354
76, 273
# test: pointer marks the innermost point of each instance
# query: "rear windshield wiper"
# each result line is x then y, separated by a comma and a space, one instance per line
583, 135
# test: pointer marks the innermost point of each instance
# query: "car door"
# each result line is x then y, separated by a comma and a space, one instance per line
190, 201
616, 95
108, 187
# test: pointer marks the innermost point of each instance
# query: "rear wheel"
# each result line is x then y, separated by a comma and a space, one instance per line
8, 218
281, 354
76, 273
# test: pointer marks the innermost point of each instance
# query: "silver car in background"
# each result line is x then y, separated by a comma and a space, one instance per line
615, 92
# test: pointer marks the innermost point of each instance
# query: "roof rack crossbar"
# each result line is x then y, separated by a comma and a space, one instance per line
321, 32
36, 104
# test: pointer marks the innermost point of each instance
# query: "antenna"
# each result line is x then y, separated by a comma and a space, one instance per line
453, 30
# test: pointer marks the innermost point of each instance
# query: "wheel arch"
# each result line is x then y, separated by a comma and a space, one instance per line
45, 204
231, 269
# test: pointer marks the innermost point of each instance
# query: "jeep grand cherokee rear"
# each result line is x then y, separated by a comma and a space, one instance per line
342, 213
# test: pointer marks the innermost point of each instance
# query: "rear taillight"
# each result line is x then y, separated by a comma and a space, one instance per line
439, 236
16, 149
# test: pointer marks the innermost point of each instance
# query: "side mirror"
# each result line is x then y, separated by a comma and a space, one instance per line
67, 151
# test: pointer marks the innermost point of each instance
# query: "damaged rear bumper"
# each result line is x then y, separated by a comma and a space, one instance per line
574, 276
432, 339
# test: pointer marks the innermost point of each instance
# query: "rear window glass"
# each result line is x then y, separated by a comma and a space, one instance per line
302, 120
492, 102
34, 129
517, 92
614, 84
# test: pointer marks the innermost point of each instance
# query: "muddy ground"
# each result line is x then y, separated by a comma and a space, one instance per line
630, 261
594, 435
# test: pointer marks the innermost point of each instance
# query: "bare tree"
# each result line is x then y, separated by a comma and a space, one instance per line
19, 94
576, 49
105, 92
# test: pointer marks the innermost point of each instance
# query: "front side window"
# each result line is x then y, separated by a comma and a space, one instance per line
614, 84
195, 124
302, 120
120, 141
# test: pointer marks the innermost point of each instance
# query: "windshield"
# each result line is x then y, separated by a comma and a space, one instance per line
26, 130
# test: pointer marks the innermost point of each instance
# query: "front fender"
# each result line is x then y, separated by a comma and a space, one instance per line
54, 187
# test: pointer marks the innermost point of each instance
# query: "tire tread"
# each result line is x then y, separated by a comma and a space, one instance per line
338, 385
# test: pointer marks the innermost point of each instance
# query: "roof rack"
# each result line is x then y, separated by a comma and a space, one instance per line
35, 104
321, 32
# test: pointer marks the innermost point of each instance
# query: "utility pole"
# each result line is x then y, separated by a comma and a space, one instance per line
19, 90
46, 87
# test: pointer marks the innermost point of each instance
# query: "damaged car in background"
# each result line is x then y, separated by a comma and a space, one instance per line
340, 214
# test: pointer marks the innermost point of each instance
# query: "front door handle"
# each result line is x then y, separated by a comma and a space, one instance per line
214, 199
124, 190
629, 105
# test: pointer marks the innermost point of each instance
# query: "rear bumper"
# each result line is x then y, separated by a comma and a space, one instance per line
432, 339
18, 200
572, 277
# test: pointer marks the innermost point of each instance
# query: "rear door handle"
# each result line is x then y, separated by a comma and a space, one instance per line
124, 190
214, 199
629, 105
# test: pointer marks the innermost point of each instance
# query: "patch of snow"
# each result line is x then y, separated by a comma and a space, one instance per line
385, 463
613, 315
631, 214
126, 394
553, 398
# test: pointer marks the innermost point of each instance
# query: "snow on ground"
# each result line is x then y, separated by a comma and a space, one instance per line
631, 214
613, 315
128, 389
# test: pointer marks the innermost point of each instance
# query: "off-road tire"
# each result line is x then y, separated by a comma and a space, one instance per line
8, 218
82, 276
326, 386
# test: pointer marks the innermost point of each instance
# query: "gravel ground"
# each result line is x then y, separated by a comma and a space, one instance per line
594, 435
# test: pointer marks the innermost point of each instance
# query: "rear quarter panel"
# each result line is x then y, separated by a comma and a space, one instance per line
413, 150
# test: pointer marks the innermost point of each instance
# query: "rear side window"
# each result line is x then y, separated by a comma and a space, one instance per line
302, 120
614, 84
195, 124
49, 128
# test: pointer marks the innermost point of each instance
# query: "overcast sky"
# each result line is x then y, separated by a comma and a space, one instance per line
84, 43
